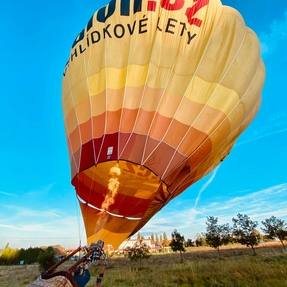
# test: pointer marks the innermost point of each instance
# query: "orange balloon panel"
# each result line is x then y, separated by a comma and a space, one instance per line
155, 94
115, 197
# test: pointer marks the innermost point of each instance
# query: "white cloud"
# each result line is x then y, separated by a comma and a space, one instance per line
270, 125
262, 136
63, 231
22, 212
22, 225
40, 191
7, 193
190, 221
205, 186
275, 37
32, 227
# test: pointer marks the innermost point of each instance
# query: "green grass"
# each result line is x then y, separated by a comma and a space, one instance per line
203, 268
238, 271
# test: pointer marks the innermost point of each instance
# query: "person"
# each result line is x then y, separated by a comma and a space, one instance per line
101, 262
95, 254
102, 268
82, 276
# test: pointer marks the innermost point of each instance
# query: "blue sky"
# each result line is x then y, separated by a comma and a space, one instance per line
37, 202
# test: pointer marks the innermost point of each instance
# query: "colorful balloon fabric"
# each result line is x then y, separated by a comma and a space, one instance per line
155, 94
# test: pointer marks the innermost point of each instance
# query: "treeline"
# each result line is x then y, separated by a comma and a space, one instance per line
45, 257
243, 230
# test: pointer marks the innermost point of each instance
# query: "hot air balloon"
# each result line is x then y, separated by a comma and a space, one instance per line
155, 94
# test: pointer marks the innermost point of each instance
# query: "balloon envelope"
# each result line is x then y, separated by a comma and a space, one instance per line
155, 93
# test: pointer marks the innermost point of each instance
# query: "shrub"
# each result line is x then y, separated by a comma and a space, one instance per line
138, 252
47, 259
217, 235
275, 228
177, 243
244, 231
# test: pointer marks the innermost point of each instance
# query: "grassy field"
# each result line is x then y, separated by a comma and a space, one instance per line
201, 267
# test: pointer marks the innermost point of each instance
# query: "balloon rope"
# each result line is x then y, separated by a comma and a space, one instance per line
78, 219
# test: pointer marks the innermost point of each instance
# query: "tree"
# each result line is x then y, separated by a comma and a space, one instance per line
275, 228
189, 243
156, 238
164, 236
217, 235
9, 256
31, 255
165, 242
200, 240
139, 237
152, 238
47, 259
138, 252
244, 231
177, 243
